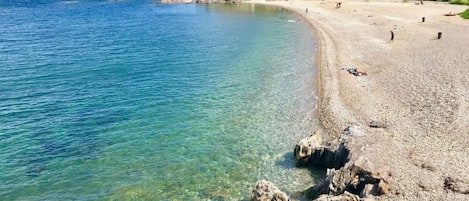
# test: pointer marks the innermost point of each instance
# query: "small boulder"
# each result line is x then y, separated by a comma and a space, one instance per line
267, 191
312, 151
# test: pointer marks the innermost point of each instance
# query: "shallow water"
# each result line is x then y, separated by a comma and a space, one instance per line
130, 100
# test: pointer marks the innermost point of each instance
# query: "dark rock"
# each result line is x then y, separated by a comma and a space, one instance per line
355, 177
267, 191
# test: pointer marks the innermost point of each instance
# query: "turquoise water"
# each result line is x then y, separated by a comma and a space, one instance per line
103, 100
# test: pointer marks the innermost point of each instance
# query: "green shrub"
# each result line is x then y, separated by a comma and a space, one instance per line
461, 2
465, 14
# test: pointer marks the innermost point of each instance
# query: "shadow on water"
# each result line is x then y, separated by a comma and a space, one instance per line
317, 174
37, 160
288, 162
77, 140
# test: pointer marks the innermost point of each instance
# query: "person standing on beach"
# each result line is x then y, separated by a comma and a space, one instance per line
392, 36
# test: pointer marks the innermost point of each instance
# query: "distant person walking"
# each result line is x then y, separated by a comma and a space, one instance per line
306, 10
439, 35
392, 36
337, 5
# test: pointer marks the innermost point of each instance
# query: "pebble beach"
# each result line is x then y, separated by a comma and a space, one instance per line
416, 85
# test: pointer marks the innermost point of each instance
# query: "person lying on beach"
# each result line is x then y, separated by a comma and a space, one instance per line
354, 71
450, 14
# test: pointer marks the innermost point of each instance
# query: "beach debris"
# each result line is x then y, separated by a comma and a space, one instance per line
355, 71
353, 130
267, 191
377, 124
456, 185
428, 166
419, 2
439, 35
423, 186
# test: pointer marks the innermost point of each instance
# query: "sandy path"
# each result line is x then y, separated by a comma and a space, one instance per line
416, 85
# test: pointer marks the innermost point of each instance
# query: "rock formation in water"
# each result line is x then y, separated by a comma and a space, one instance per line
312, 152
267, 191
349, 176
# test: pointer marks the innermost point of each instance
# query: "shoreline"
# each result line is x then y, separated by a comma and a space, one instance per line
416, 85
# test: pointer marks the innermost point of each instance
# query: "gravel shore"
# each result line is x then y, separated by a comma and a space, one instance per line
416, 85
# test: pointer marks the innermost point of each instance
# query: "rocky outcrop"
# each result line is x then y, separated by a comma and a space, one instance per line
351, 174
267, 191
312, 152
348, 178
356, 177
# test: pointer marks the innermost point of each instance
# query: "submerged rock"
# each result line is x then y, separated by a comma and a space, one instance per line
267, 191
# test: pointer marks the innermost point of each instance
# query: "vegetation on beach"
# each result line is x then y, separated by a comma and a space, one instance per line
465, 14
461, 2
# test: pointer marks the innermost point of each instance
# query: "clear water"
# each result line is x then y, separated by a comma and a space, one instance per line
103, 100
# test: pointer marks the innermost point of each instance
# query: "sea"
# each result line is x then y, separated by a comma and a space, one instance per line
135, 100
